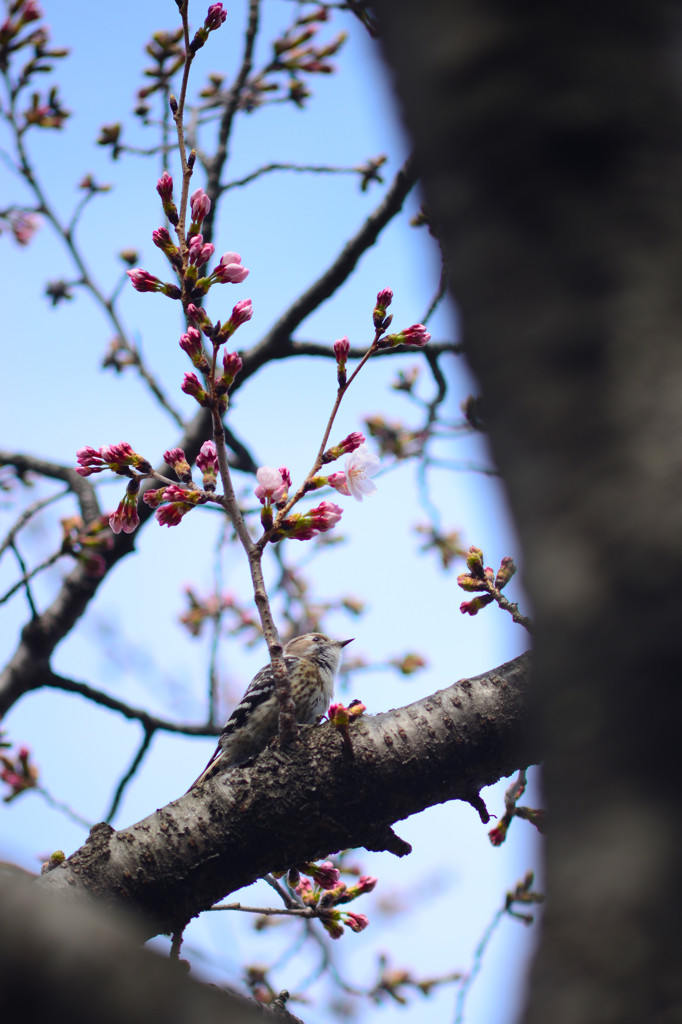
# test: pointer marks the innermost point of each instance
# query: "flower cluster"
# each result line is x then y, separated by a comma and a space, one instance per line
483, 578
188, 260
172, 502
18, 773
120, 458
326, 891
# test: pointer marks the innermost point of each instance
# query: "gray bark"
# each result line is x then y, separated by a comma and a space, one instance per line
248, 821
549, 140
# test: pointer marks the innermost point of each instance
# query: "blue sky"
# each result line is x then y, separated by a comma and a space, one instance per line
56, 398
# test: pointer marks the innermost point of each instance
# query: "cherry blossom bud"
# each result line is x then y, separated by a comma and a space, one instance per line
215, 18
498, 834
171, 515
232, 364
90, 461
177, 460
126, 518
286, 476
164, 187
271, 486
207, 462
181, 501
229, 270
338, 482
191, 344
474, 606
414, 335
153, 496
163, 241
356, 922
474, 560
505, 572
341, 350
325, 874
332, 924
199, 253
200, 205
199, 316
365, 883
305, 891
143, 281
384, 299
191, 386
309, 524
241, 313
470, 583
349, 444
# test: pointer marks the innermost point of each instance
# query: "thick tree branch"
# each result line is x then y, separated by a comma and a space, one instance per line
65, 959
249, 821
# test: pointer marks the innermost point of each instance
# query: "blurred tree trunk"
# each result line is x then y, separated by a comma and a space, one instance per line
549, 140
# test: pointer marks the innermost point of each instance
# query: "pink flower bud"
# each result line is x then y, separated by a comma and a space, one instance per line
162, 239
164, 187
271, 486
414, 335
207, 462
365, 883
215, 17
341, 350
125, 518
154, 496
325, 516
171, 515
339, 483
177, 460
143, 281
241, 313
191, 344
356, 922
379, 319
200, 205
230, 270
90, 461
191, 386
325, 874
200, 253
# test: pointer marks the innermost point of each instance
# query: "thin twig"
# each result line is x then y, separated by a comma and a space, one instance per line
130, 774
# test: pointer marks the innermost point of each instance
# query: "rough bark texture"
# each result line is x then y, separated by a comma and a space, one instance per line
549, 139
234, 829
69, 962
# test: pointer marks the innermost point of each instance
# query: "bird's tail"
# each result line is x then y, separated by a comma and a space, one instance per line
210, 769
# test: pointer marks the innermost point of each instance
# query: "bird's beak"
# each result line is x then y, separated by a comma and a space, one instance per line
342, 643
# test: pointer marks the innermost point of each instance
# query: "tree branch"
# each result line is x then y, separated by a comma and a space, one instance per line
249, 821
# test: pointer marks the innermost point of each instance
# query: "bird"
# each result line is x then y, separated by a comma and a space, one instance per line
312, 661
